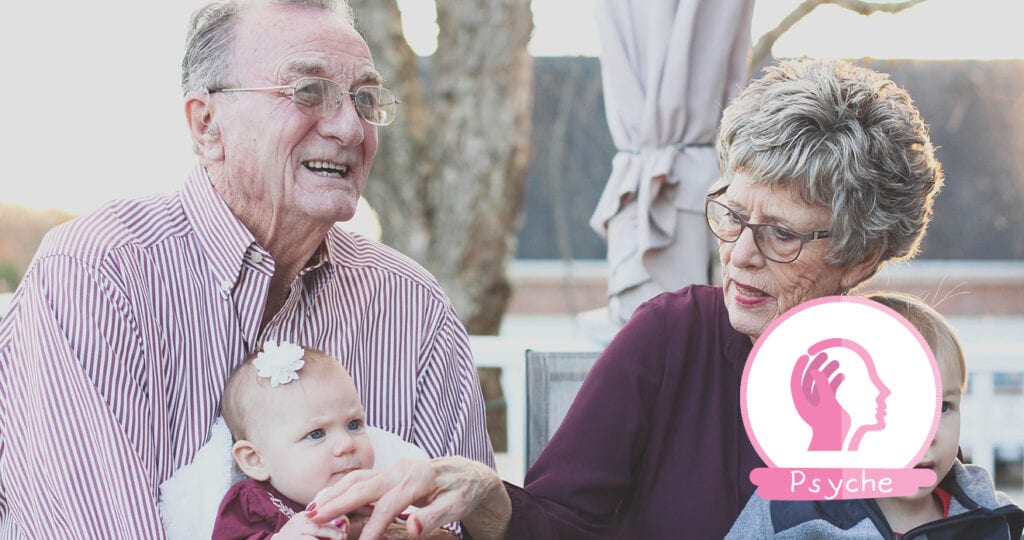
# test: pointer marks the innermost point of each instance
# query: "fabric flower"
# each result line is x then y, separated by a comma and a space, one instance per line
279, 362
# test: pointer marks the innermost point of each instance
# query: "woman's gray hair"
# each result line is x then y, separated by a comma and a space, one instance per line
843, 137
211, 32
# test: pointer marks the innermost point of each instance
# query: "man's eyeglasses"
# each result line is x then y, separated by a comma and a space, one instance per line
321, 98
776, 243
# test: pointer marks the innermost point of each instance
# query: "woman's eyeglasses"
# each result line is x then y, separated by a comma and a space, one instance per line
776, 243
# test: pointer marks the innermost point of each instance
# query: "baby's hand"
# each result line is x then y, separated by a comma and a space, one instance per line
301, 526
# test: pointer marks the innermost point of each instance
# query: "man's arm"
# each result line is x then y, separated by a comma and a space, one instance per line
74, 410
450, 416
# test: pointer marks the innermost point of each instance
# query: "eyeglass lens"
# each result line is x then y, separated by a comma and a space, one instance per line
776, 243
322, 97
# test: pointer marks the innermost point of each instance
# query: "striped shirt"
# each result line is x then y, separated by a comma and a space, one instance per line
119, 341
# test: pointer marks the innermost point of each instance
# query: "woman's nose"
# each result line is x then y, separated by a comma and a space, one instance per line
745, 251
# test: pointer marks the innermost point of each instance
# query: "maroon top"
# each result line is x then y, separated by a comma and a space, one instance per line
253, 510
654, 444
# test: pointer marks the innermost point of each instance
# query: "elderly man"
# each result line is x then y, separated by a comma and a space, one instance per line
116, 348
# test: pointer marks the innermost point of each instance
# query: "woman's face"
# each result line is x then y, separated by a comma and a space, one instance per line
758, 290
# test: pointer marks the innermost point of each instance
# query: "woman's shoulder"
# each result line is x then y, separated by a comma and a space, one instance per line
701, 306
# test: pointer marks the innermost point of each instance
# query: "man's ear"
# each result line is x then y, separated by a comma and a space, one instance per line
249, 460
858, 272
205, 135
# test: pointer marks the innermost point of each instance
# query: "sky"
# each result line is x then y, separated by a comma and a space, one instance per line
92, 105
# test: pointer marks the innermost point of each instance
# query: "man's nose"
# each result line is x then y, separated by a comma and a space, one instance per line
344, 123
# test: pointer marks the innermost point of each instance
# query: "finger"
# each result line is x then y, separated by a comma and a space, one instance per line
795, 382
442, 510
812, 385
349, 495
818, 361
308, 529
837, 381
327, 531
344, 485
808, 384
412, 485
830, 368
388, 508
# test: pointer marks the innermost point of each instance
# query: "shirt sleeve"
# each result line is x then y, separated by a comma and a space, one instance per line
73, 415
585, 472
450, 417
241, 515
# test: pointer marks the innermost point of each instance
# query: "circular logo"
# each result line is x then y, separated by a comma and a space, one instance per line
841, 382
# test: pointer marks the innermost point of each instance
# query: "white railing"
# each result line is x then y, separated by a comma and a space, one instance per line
993, 418
990, 421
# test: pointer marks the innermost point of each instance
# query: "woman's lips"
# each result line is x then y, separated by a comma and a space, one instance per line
925, 465
748, 296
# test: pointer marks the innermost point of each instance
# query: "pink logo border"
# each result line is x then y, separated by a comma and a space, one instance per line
828, 300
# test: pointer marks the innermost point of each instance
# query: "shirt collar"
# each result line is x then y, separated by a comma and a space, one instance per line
222, 237
227, 242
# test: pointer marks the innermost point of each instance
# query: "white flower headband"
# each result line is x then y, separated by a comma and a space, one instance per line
279, 362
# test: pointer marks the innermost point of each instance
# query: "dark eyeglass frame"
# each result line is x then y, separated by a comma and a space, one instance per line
756, 229
292, 90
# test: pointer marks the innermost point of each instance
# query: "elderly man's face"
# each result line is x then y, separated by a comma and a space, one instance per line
278, 160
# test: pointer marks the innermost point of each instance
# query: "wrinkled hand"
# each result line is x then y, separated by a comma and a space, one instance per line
301, 526
815, 398
445, 489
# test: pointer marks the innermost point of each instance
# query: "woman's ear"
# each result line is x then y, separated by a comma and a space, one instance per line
199, 114
859, 272
249, 460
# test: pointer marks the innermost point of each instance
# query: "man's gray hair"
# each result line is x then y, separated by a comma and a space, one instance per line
211, 32
843, 137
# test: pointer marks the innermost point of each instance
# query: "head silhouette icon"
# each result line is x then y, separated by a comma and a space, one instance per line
838, 393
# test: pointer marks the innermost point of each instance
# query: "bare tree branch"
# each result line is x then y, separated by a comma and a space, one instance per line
763, 49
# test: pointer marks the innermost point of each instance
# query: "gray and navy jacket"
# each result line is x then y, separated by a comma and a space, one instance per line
976, 511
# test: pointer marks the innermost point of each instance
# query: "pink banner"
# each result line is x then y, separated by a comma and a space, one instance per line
828, 484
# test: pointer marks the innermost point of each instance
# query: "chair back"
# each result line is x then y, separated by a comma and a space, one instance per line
552, 381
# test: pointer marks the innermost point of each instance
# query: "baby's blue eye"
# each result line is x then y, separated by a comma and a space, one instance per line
354, 425
315, 434
946, 407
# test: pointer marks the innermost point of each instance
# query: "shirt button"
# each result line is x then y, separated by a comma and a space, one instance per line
256, 257
225, 285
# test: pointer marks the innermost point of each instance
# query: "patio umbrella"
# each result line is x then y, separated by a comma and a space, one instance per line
668, 67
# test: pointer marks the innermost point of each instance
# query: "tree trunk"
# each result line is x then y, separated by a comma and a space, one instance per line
450, 172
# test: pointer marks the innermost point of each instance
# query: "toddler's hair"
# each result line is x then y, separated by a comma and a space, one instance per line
240, 402
935, 329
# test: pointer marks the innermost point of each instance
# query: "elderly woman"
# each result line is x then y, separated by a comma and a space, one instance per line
827, 174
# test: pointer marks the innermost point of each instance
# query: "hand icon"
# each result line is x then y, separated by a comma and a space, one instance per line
815, 398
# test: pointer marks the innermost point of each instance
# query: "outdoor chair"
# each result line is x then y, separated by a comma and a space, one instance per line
552, 381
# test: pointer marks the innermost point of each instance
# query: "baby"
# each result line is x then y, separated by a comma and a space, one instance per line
961, 504
298, 426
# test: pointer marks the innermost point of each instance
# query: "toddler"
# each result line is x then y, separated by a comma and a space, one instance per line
961, 504
298, 426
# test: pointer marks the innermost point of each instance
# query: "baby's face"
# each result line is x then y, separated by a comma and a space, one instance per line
942, 452
313, 434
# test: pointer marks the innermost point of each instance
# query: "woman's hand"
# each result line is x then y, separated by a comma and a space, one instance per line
301, 526
445, 489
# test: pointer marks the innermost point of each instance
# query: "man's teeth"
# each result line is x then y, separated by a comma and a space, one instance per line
326, 168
